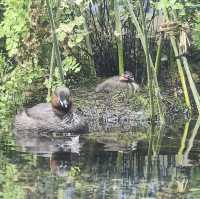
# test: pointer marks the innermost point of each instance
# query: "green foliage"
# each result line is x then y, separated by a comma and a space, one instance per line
73, 32
70, 68
12, 91
74, 171
5, 68
181, 7
8, 182
168, 4
196, 33
14, 25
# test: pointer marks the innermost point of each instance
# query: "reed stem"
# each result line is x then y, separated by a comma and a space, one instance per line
55, 42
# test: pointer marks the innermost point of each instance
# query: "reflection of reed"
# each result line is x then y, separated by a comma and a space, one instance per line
179, 182
150, 166
134, 165
182, 145
155, 138
141, 172
146, 171
191, 142
130, 170
182, 157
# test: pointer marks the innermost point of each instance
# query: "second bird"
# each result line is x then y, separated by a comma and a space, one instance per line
125, 81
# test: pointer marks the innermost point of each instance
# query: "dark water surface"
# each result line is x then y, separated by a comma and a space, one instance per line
163, 165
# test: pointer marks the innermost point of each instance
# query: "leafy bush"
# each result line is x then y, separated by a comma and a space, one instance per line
196, 34
13, 89
10, 188
14, 25
70, 68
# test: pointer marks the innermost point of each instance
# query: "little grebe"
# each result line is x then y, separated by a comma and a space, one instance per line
125, 81
55, 117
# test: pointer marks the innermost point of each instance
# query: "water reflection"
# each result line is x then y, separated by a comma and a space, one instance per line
47, 145
191, 141
163, 165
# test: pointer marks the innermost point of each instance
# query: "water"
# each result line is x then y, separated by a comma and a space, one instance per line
165, 164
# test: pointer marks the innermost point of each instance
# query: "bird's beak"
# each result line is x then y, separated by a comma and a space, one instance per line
131, 78
64, 103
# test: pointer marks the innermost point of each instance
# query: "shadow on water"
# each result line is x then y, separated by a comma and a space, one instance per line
163, 164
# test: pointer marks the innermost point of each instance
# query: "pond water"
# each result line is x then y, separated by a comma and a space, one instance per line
164, 164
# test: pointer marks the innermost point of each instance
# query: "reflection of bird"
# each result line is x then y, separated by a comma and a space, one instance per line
125, 81
61, 162
72, 144
55, 117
